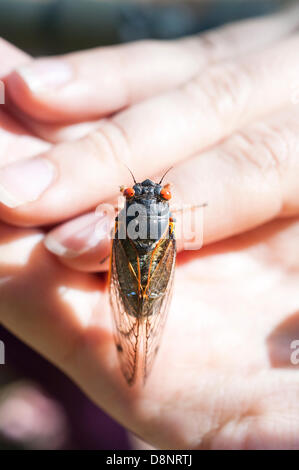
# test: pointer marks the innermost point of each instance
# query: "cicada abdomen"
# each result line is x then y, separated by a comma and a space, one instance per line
141, 275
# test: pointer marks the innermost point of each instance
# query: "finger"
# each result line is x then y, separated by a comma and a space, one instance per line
247, 180
12, 130
149, 137
94, 83
15, 141
11, 57
83, 243
56, 133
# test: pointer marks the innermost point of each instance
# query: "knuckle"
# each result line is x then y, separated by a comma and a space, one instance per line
217, 44
275, 144
123, 56
211, 45
270, 149
224, 90
269, 145
110, 144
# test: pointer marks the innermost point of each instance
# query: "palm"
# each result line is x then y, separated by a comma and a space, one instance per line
233, 318
215, 381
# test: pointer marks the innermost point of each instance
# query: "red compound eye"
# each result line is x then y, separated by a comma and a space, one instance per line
129, 192
165, 193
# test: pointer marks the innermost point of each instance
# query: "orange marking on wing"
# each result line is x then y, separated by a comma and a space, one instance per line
151, 261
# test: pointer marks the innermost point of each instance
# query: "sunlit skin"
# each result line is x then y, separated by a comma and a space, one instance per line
223, 377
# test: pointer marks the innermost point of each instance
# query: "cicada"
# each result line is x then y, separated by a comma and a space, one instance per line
142, 264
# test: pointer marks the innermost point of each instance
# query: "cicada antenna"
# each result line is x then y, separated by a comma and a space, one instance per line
131, 174
165, 174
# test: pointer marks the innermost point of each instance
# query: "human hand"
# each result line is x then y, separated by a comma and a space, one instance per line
223, 377
224, 91
74, 329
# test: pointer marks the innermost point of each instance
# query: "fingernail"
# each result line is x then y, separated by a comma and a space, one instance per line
44, 74
78, 236
25, 181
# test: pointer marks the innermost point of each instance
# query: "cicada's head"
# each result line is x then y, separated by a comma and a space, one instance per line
148, 204
148, 191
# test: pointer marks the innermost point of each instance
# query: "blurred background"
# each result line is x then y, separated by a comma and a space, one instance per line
39, 407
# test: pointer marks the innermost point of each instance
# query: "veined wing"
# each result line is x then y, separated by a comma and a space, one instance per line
124, 309
139, 325
160, 290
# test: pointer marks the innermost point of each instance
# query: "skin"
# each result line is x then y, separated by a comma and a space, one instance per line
223, 377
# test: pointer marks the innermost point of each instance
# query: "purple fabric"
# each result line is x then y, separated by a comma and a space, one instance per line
90, 427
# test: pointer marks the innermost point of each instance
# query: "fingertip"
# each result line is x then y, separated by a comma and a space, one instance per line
86, 264
11, 57
18, 217
95, 259
82, 243
25, 92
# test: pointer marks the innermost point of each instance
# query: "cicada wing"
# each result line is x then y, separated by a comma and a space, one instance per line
127, 324
160, 293
138, 330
